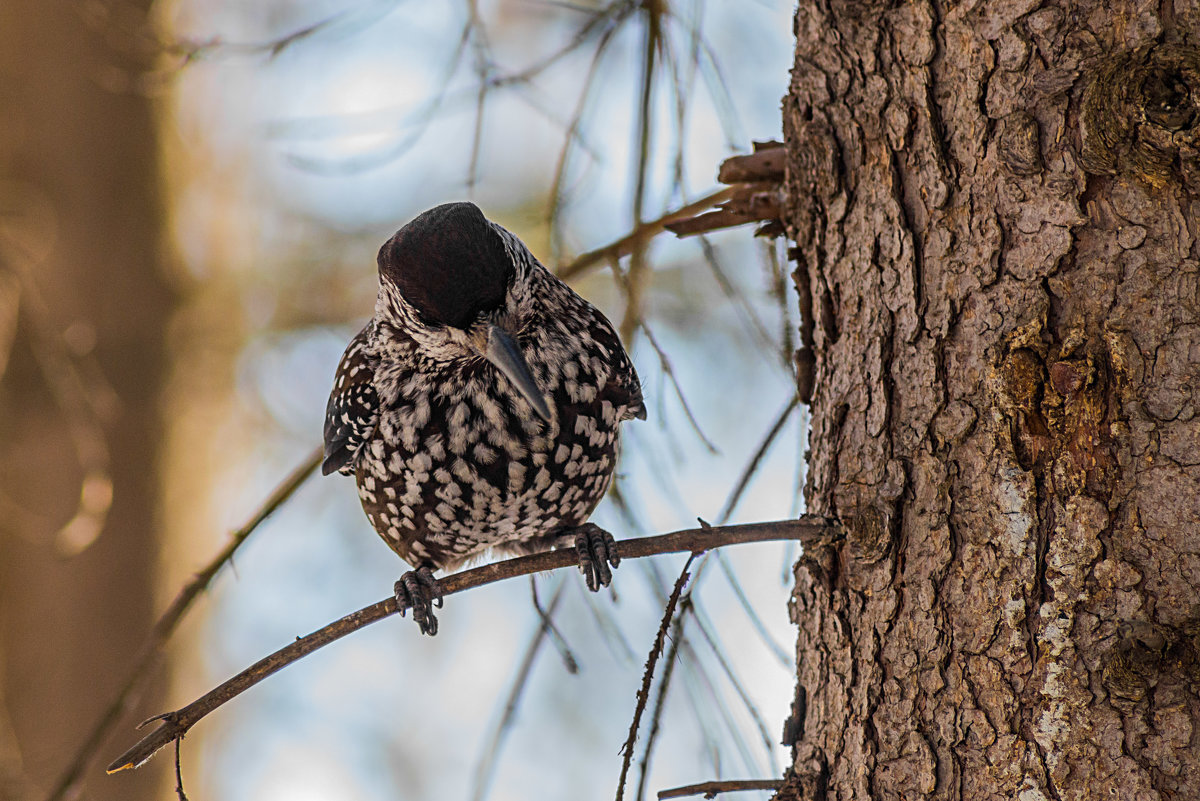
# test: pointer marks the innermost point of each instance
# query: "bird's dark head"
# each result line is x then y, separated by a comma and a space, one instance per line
452, 270
449, 264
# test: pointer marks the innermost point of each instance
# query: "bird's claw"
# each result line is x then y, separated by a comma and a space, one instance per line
420, 591
597, 550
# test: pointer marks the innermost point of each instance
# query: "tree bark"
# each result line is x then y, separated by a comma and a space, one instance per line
81, 240
995, 210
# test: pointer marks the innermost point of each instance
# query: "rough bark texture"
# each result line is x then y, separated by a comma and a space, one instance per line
995, 210
81, 231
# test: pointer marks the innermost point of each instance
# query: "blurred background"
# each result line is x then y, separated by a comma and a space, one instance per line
191, 197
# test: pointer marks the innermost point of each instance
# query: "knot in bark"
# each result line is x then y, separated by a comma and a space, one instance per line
1141, 114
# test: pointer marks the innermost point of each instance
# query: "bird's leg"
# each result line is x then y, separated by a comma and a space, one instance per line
420, 591
597, 550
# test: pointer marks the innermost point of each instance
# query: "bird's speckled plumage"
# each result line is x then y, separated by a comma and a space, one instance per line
450, 457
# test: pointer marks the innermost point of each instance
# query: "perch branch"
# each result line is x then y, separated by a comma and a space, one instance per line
812, 531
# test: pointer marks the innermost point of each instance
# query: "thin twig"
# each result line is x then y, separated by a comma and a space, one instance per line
712, 789
622, 247
812, 531
705, 685
614, 639
766, 345
81, 391
189, 51
179, 772
421, 119
669, 372
613, 14
663, 481
756, 459
786, 342
638, 278
564, 154
702, 701
714, 645
660, 698
165, 627
483, 69
731, 504
722, 97
756, 622
560, 642
648, 673
489, 77
487, 761
683, 91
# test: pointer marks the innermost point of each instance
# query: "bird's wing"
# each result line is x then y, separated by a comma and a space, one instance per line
631, 385
353, 407
624, 388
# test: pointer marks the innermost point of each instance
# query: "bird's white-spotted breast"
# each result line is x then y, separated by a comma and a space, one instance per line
480, 408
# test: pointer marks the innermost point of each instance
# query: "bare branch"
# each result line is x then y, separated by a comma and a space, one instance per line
812, 531
641, 233
712, 789
766, 163
757, 196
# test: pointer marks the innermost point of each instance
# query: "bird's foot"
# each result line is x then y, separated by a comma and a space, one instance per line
597, 550
420, 591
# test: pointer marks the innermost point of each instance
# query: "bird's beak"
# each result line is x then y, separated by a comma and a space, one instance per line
501, 349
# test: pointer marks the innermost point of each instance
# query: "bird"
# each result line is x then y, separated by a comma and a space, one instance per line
479, 408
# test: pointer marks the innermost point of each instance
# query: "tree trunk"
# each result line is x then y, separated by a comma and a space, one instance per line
995, 207
81, 233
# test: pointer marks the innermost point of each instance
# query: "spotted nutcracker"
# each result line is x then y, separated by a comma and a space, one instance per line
479, 408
